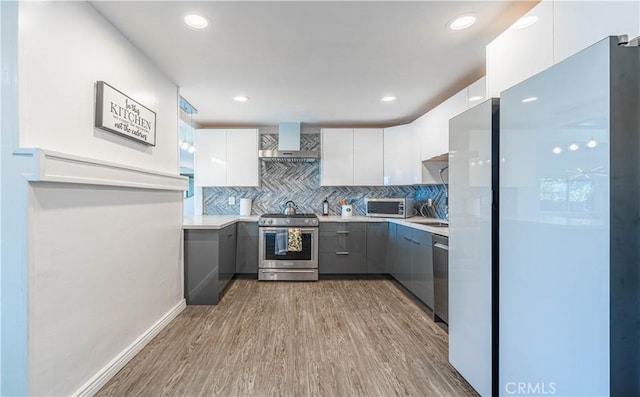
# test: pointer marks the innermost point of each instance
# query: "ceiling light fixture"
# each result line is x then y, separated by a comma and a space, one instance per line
241, 98
530, 99
525, 22
475, 98
557, 150
196, 21
389, 98
573, 147
191, 149
184, 146
462, 22
592, 143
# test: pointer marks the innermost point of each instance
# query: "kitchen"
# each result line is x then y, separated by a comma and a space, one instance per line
92, 197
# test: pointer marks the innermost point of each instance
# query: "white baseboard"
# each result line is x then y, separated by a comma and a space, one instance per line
105, 374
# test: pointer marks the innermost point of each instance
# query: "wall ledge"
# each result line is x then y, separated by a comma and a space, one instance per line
50, 166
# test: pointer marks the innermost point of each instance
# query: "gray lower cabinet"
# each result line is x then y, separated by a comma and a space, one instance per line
422, 266
414, 262
392, 249
247, 248
403, 256
342, 248
377, 247
209, 262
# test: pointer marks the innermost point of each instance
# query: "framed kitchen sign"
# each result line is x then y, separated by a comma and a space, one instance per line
117, 113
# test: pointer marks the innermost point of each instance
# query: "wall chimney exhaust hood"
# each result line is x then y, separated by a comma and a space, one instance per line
289, 147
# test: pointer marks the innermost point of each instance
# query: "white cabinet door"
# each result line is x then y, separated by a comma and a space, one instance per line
242, 157
579, 24
210, 158
401, 158
477, 93
434, 132
337, 157
518, 54
368, 156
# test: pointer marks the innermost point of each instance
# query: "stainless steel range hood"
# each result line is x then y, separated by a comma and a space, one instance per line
289, 147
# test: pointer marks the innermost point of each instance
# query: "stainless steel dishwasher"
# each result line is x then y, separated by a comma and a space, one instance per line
441, 278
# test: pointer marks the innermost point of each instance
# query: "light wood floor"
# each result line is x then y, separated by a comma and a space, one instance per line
326, 338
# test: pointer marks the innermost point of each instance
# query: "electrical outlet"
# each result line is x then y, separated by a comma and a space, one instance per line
232, 201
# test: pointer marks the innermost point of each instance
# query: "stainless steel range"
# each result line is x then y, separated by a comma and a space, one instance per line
288, 247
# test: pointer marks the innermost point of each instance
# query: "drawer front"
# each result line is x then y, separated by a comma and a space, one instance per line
342, 240
343, 226
341, 263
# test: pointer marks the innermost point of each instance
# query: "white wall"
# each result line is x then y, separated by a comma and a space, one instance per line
65, 47
104, 262
105, 269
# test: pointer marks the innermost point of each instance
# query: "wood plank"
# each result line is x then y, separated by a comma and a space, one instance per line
326, 338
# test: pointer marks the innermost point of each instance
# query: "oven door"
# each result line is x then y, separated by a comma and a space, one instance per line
305, 259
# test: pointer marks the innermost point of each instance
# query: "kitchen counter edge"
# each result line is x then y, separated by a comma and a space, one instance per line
214, 222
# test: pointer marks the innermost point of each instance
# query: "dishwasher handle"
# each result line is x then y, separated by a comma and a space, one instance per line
441, 246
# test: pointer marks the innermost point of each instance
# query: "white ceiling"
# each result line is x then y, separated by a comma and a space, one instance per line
319, 62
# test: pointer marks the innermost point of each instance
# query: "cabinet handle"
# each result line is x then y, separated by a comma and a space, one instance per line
408, 239
441, 246
342, 232
415, 242
342, 253
229, 235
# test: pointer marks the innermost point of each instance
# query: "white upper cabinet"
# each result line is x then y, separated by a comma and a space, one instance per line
518, 54
352, 157
477, 93
401, 155
368, 156
433, 127
226, 157
579, 24
242, 157
337, 157
210, 158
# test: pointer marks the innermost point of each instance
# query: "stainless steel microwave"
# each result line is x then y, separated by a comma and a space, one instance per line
389, 207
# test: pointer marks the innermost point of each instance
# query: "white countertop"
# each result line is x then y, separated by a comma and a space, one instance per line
442, 231
214, 222
338, 218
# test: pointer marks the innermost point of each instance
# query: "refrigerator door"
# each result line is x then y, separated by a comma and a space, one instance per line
472, 159
554, 229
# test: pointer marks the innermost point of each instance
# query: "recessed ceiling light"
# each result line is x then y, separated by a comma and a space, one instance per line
573, 147
191, 149
525, 22
388, 98
462, 22
241, 98
475, 98
196, 21
557, 150
592, 143
530, 99
184, 146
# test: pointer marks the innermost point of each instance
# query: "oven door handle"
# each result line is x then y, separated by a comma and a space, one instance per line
286, 271
275, 229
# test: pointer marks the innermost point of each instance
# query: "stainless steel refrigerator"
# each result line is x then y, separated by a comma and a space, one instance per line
566, 319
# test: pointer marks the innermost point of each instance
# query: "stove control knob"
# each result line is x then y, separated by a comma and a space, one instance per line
288, 221
314, 221
270, 221
306, 221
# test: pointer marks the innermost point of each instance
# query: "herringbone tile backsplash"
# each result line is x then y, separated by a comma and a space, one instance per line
300, 182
